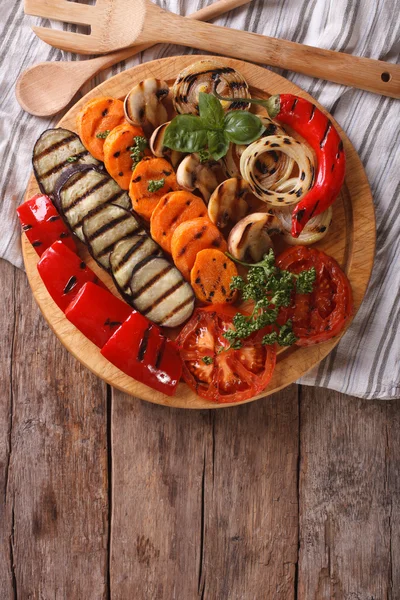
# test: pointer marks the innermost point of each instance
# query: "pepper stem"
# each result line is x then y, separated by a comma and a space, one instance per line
273, 104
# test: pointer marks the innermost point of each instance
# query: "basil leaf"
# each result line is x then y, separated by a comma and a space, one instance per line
242, 127
218, 144
211, 111
186, 133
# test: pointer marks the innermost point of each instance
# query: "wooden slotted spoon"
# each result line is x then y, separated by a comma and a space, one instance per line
114, 26
46, 88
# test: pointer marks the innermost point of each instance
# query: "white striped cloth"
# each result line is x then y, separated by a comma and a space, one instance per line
366, 363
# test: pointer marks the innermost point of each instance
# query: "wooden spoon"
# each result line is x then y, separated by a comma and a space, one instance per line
146, 22
47, 88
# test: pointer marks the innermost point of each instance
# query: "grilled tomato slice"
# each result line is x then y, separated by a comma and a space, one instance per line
215, 372
321, 315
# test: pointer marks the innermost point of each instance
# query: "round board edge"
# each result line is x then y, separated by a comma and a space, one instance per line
361, 255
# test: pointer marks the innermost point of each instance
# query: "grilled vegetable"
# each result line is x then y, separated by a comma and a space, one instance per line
307, 120
158, 149
160, 293
96, 119
126, 255
172, 210
189, 238
208, 76
142, 352
42, 224
144, 104
105, 228
53, 154
227, 204
147, 171
97, 313
266, 178
64, 273
314, 231
118, 149
318, 131
192, 175
211, 277
83, 191
249, 239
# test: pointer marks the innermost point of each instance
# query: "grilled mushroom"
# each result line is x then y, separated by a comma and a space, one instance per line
158, 149
192, 174
249, 239
144, 104
227, 204
209, 76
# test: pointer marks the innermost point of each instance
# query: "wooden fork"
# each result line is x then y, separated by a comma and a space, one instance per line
46, 88
113, 26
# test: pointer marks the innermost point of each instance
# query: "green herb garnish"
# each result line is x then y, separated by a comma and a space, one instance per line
208, 360
204, 156
137, 151
72, 159
269, 288
103, 134
155, 184
213, 130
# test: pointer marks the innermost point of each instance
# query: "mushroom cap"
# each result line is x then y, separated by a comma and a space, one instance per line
143, 104
227, 203
249, 240
158, 149
192, 174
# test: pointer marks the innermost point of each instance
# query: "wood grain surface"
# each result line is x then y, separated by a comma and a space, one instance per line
351, 240
104, 496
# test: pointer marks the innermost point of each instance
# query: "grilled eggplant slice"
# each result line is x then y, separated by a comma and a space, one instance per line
54, 152
160, 293
82, 193
104, 228
126, 255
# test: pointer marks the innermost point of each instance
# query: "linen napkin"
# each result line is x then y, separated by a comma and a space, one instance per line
366, 363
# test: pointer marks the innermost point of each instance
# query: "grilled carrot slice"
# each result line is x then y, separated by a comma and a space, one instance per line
189, 238
96, 119
211, 277
151, 179
117, 152
172, 210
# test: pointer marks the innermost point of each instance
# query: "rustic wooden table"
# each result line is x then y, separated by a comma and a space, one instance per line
106, 496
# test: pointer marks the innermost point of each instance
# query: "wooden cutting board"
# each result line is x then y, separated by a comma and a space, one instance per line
351, 240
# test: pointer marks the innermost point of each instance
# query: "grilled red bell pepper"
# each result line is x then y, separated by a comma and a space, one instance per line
140, 350
64, 273
307, 120
97, 313
42, 224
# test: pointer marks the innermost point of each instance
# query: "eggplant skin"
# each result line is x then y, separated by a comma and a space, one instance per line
84, 190
127, 254
55, 151
104, 228
160, 293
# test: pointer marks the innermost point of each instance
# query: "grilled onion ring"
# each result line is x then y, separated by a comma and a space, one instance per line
265, 187
316, 228
231, 161
207, 76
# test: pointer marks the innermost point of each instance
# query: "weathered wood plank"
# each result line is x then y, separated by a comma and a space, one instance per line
204, 503
58, 475
7, 318
251, 510
157, 473
349, 498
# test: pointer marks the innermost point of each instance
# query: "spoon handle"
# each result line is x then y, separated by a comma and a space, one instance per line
355, 71
207, 13
47, 88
